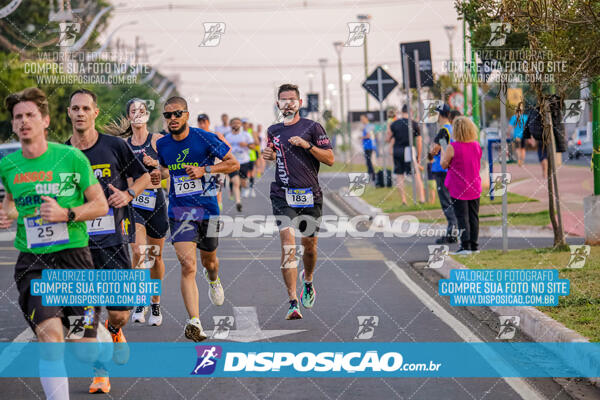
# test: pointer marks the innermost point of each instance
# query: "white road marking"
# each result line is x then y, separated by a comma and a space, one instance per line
519, 385
329, 204
13, 350
248, 329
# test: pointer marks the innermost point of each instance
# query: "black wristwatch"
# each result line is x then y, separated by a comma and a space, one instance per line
311, 146
131, 192
70, 215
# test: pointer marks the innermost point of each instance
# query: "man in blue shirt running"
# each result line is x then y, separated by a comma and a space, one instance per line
188, 155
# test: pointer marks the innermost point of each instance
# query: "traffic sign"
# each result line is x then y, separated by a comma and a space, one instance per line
380, 84
425, 69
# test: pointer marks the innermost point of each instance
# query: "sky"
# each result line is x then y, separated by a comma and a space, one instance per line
267, 43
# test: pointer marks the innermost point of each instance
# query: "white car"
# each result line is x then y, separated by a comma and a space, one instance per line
6, 149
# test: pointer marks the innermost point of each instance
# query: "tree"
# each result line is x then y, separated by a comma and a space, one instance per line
561, 39
28, 29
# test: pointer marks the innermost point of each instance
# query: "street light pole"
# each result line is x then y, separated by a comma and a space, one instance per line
450, 30
310, 76
338, 49
347, 78
365, 18
323, 65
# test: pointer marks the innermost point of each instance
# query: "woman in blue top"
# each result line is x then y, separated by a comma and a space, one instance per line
517, 122
368, 144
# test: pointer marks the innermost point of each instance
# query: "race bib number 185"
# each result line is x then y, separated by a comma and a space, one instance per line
145, 200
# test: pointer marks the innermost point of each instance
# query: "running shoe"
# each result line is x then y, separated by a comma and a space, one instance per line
215, 290
245, 193
307, 297
193, 330
294, 311
139, 314
252, 192
155, 315
461, 252
121, 350
239, 207
100, 384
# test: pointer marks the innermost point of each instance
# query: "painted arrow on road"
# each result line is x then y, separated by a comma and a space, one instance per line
248, 330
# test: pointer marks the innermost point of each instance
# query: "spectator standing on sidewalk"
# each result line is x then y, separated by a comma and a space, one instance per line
368, 140
440, 142
462, 158
397, 135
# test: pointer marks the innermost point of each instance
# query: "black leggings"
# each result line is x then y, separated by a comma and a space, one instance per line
467, 217
370, 169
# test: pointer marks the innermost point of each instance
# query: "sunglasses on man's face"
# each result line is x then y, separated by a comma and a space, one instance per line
176, 113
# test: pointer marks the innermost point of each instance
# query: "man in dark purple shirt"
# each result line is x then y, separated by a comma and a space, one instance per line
298, 146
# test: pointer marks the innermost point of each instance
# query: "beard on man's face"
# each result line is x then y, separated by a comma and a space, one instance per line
177, 131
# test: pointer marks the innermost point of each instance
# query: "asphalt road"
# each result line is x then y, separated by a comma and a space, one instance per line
354, 277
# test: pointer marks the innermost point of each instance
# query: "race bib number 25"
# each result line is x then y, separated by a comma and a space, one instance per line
40, 233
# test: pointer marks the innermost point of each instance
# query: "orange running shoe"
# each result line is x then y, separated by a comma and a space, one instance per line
121, 350
100, 384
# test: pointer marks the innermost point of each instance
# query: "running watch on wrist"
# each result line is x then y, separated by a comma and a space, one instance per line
207, 169
310, 147
131, 192
70, 215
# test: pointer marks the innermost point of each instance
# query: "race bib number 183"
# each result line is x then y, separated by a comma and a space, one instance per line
299, 198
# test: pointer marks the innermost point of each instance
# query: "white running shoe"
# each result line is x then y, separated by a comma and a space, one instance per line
252, 192
193, 330
215, 290
155, 315
139, 314
245, 192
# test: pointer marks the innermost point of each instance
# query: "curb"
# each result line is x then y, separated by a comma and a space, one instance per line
533, 323
361, 207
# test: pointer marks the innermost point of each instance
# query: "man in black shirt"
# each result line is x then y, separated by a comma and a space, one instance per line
397, 134
113, 162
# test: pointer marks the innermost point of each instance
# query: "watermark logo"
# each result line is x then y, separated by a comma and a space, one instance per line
79, 323
499, 31
358, 183
430, 111
223, 324
437, 255
573, 111
148, 252
68, 183
579, 255
212, 34
508, 326
366, 326
291, 255
68, 33
357, 33
207, 359
499, 183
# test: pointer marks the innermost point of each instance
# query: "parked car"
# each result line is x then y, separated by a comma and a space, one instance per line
580, 144
5, 149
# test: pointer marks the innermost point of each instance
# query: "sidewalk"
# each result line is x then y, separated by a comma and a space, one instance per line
574, 184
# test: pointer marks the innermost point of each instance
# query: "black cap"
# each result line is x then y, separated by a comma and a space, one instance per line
202, 117
444, 110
